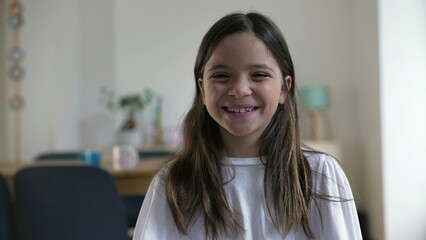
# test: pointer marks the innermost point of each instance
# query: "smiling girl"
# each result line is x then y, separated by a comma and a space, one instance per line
242, 173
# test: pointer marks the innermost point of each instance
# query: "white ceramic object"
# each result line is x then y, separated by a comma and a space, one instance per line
124, 157
129, 138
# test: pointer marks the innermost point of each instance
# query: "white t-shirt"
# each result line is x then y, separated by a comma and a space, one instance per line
335, 221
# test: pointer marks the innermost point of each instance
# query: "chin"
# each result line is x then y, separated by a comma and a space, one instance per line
239, 132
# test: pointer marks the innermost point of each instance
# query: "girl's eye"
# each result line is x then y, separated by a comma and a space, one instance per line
220, 75
260, 76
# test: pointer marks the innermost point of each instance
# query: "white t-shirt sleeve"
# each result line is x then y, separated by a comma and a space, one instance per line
338, 218
155, 220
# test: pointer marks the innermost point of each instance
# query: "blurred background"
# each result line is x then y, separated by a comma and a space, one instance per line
371, 55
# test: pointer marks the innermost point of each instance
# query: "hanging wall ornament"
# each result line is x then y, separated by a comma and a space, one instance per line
15, 8
16, 55
15, 19
15, 22
16, 103
16, 72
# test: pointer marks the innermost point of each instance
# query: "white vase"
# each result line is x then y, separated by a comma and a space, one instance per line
129, 138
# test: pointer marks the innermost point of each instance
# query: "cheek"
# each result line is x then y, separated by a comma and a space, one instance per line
211, 93
271, 94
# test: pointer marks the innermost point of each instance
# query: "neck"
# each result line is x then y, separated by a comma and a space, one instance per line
240, 147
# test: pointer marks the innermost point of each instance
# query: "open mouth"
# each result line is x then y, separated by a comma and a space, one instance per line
240, 110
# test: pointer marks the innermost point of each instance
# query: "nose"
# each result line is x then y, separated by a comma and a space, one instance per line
240, 88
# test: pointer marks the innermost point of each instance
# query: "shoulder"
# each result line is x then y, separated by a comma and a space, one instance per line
328, 176
165, 169
320, 162
155, 219
157, 187
333, 212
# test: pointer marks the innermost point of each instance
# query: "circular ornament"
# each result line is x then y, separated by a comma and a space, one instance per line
16, 103
16, 55
15, 9
15, 22
16, 72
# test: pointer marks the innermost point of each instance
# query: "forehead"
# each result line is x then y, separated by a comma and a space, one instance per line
241, 48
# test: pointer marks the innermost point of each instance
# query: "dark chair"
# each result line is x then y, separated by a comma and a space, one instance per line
67, 155
132, 206
154, 154
132, 203
68, 202
79, 155
7, 231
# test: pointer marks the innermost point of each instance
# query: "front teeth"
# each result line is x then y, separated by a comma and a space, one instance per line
240, 110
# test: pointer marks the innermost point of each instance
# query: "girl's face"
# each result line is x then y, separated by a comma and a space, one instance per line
242, 86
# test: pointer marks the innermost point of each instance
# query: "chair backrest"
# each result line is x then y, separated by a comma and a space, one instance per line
79, 155
154, 154
67, 155
68, 202
6, 217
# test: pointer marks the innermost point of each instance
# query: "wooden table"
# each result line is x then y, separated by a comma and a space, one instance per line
129, 182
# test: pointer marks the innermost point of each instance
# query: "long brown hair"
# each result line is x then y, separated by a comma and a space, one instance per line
195, 181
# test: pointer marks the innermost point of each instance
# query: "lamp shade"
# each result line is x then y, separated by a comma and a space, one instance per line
315, 97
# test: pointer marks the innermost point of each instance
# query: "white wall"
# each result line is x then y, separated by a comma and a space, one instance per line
51, 87
98, 68
367, 111
403, 98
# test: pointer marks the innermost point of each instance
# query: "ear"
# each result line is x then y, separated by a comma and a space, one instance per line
200, 86
285, 87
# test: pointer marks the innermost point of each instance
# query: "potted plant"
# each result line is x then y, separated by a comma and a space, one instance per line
130, 104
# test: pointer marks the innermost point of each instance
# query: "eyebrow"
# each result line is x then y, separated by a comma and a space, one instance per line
222, 66
264, 66
219, 66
